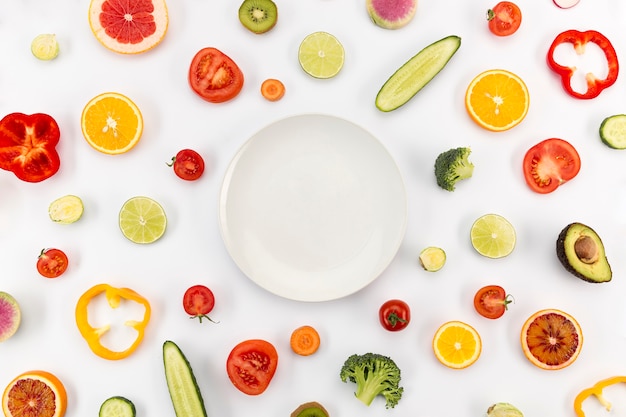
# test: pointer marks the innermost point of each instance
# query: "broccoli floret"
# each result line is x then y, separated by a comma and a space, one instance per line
374, 375
452, 166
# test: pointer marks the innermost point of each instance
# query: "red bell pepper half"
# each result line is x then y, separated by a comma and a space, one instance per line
28, 146
579, 40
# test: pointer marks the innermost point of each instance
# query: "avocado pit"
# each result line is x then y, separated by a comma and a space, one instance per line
586, 250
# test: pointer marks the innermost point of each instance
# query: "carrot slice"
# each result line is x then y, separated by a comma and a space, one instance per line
272, 89
305, 340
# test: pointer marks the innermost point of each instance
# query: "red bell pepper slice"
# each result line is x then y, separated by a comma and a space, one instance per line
28, 146
579, 40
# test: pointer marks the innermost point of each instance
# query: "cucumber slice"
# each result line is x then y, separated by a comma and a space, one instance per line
416, 73
613, 131
181, 383
117, 407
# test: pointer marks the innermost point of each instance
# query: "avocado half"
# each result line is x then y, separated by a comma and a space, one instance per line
581, 252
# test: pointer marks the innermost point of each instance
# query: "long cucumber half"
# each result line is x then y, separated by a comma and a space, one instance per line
416, 73
181, 383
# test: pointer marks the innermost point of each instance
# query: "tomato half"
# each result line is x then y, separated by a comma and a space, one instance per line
198, 301
394, 315
492, 301
52, 263
549, 164
188, 165
504, 18
251, 366
214, 76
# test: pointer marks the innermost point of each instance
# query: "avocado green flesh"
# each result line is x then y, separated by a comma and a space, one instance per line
181, 383
418, 71
597, 271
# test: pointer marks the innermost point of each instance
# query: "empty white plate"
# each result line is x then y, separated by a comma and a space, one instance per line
313, 208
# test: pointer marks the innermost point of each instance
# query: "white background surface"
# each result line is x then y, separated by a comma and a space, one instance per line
192, 250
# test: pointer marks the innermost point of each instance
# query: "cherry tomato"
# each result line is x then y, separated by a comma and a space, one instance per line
492, 301
504, 18
188, 165
251, 366
52, 263
394, 315
214, 76
549, 164
198, 301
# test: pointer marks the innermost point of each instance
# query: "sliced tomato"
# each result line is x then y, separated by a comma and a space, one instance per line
188, 165
549, 164
198, 301
492, 301
504, 18
394, 315
214, 76
52, 263
251, 365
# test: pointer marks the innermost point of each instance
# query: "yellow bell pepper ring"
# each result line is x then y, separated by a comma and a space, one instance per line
114, 297
596, 391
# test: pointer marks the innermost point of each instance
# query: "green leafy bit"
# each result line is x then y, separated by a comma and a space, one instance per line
452, 166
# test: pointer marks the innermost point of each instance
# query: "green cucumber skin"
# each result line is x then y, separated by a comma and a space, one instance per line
192, 405
606, 137
125, 404
434, 56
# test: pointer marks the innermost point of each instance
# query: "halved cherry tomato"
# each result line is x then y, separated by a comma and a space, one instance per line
198, 301
214, 76
188, 165
251, 365
492, 301
504, 18
52, 263
394, 315
549, 164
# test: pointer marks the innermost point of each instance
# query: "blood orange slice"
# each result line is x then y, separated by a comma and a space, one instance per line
551, 339
128, 26
34, 394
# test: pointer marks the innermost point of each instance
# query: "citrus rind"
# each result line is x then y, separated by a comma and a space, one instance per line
45, 382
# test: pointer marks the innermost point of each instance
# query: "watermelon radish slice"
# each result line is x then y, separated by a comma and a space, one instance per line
10, 316
391, 14
566, 4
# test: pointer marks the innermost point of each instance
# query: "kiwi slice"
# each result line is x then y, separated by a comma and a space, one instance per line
310, 409
258, 16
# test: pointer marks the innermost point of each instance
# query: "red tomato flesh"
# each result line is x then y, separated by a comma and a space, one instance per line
198, 301
504, 18
214, 76
550, 163
251, 366
52, 263
491, 301
394, 315
188, 165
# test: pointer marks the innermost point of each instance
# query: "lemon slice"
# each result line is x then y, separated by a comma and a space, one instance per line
142, 220
45, 47
66, 209
493, 236
321, 55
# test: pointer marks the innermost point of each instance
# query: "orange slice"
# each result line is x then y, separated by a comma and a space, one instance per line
457, 345
497, 100
112, 123
128, 26
551, 339
36, 394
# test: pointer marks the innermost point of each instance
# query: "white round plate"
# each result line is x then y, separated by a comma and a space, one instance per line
312, 208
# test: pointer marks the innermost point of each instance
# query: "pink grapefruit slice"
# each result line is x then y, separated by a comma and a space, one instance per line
128, 26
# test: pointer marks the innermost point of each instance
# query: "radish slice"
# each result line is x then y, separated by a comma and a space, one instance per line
566, 4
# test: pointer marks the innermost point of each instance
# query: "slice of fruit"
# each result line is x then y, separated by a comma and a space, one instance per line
128, 26
34, 394
391, 14
581, 252
418, 71
310, 409
432, 258
181, 383
613, 131
493, 236
258, 16
551, 339
112, 123
142, 220
457, 344
272, 89
117, 407
66, 210
497, 100
10, 316
321, 55
45, 46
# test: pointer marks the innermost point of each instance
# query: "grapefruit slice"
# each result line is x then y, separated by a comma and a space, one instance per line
36, 394
128, 26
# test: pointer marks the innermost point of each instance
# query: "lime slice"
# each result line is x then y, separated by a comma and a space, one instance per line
432, 258
142, 220
321, 55
66, 209
45, 47
493, 236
